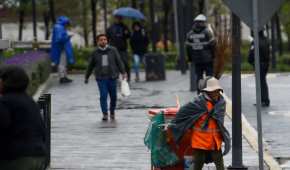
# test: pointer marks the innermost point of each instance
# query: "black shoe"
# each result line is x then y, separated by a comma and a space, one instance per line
112, 116
105, 117
64, 80
265, 104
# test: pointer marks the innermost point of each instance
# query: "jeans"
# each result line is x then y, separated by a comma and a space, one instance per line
24, 163
108, 87
136, 65
200, 156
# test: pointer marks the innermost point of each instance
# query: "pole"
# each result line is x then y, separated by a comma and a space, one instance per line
51, 11
258, 83
94, 21
181, 7
105, 15
34, 20
273, 42
176, 23
237, 152
152, 20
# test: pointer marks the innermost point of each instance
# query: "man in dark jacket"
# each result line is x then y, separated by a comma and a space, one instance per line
200, 45
264, 48
107, 64
22, 132
139, 43
118, 34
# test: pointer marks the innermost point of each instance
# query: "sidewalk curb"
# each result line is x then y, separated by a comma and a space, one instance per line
250, 134
43, 87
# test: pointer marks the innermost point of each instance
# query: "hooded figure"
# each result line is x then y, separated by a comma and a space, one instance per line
61, 48
205, 117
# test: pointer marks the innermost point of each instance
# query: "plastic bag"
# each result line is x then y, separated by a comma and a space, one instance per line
125, 89
155, 140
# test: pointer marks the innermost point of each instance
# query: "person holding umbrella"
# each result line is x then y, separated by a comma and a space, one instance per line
118, 34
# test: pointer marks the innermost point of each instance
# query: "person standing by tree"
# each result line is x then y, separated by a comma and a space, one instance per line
264, 47
200, 45
118, 34
139, 43
61, 48
107, 64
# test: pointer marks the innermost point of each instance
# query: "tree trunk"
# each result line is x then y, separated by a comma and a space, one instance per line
21, 23
34, 20
279, 34
288, 43
46, 25
134, 3
201, 5
84, 22
165, 24
153, 30
94, 21
52, 11
105, 15
273, 42
142, 7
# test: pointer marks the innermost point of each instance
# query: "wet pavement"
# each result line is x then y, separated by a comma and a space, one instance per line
81, 141
276, 118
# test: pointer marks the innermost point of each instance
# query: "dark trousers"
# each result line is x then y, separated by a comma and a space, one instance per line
108, 87
264, 86
201, 156
125, 58
200, 68
24, 163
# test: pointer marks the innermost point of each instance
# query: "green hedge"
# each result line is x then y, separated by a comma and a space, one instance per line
38, 75
283, 62
35, 63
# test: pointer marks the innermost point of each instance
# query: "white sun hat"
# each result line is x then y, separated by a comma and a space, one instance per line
212, 84
200, 17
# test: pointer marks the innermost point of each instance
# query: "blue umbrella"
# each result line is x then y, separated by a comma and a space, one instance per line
128, 12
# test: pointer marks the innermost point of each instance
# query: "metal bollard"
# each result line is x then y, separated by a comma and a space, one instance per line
44, 103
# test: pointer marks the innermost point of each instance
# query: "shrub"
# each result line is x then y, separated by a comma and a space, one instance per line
36, 64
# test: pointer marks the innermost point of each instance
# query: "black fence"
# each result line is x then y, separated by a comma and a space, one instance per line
44, 103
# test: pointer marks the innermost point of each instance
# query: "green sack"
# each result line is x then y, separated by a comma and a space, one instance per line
155, 140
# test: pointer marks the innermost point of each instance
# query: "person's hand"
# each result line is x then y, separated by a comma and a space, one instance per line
86, 81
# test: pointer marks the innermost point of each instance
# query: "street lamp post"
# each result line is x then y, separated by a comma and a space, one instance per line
34, 20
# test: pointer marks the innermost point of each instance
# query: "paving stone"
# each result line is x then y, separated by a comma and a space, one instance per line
80, 140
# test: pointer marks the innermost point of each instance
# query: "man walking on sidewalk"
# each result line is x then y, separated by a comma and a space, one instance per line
107, 64
205, 117
118, 34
